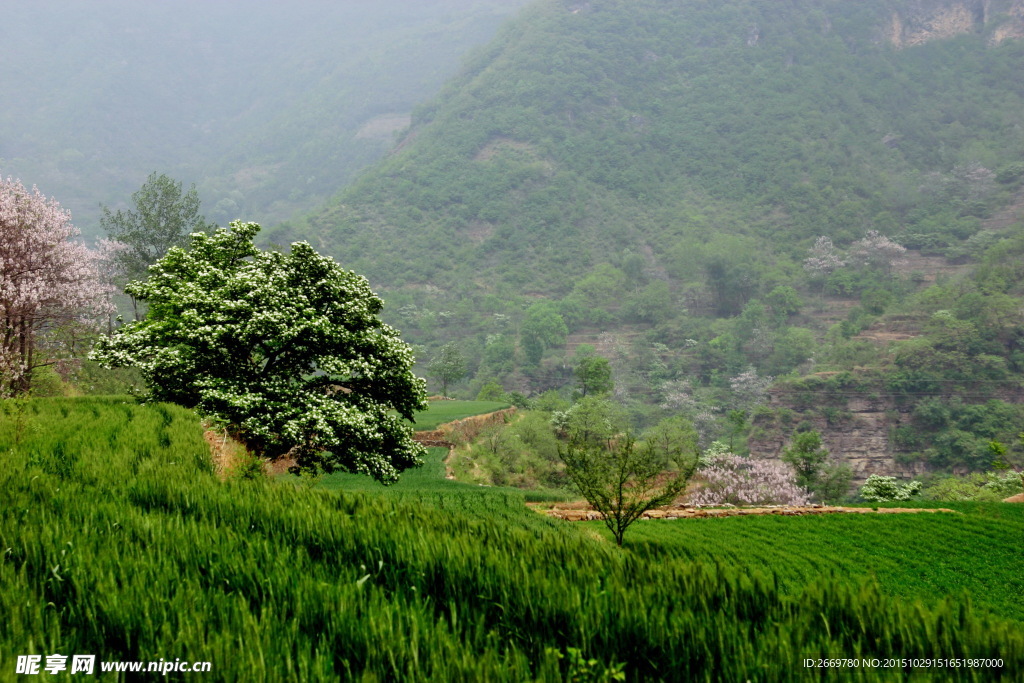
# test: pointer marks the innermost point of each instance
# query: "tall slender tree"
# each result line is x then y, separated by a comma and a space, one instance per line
163, 217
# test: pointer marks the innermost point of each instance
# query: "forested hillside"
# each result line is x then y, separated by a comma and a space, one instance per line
268, 108
588, 129
700, 188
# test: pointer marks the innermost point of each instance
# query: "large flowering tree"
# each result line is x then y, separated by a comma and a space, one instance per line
285, 350
47, 280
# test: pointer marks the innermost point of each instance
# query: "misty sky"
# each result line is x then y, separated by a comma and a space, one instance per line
258, 103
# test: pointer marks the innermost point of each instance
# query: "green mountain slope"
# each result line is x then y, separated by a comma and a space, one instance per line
650, 178
589, 128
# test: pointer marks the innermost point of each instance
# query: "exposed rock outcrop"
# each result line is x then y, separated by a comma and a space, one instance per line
858, 434
926, 20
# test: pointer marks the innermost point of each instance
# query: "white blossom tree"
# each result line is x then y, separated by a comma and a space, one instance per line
877, 251
47, 279
285, 350
749, 389
823, 259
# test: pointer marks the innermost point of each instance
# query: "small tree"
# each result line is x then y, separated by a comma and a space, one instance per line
823, 260
671, 436
749, 390
730, 479
876, 250
163, 218
491, 391
592, 420
542, 328
622, 481
806, 455
593, 373
999, 460
879, 489
448, 366
285, 350
815, 470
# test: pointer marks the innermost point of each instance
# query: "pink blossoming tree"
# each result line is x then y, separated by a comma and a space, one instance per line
46, 280
730, 479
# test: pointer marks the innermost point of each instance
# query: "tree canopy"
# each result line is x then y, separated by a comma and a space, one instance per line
623, 480
593, 373
163, 218
448, 366
285, 350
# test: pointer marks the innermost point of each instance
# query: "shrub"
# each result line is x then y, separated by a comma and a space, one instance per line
879, 489
982, 487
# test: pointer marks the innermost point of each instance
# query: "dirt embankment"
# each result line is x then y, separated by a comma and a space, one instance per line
581, 512
227, 454
462, 430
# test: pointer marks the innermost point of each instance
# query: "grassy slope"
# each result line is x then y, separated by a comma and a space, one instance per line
441, 412
119, 541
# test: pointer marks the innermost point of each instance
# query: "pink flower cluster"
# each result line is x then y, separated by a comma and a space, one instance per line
46, 279
730, 479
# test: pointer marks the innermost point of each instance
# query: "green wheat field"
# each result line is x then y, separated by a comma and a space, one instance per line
118, 540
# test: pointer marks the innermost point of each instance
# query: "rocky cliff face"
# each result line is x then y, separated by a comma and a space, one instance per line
858, 431
859, 426
922, 21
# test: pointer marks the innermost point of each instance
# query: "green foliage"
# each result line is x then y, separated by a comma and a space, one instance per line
987, 486
163, 218
670, 438
535, 173
953, 434
622, 480
879, 489
876, 300
784, 302
542, 328
491, 391
592, 420
569, 170
806, 455
827, 478
286, 351
522, 453
593, 373
447, 366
